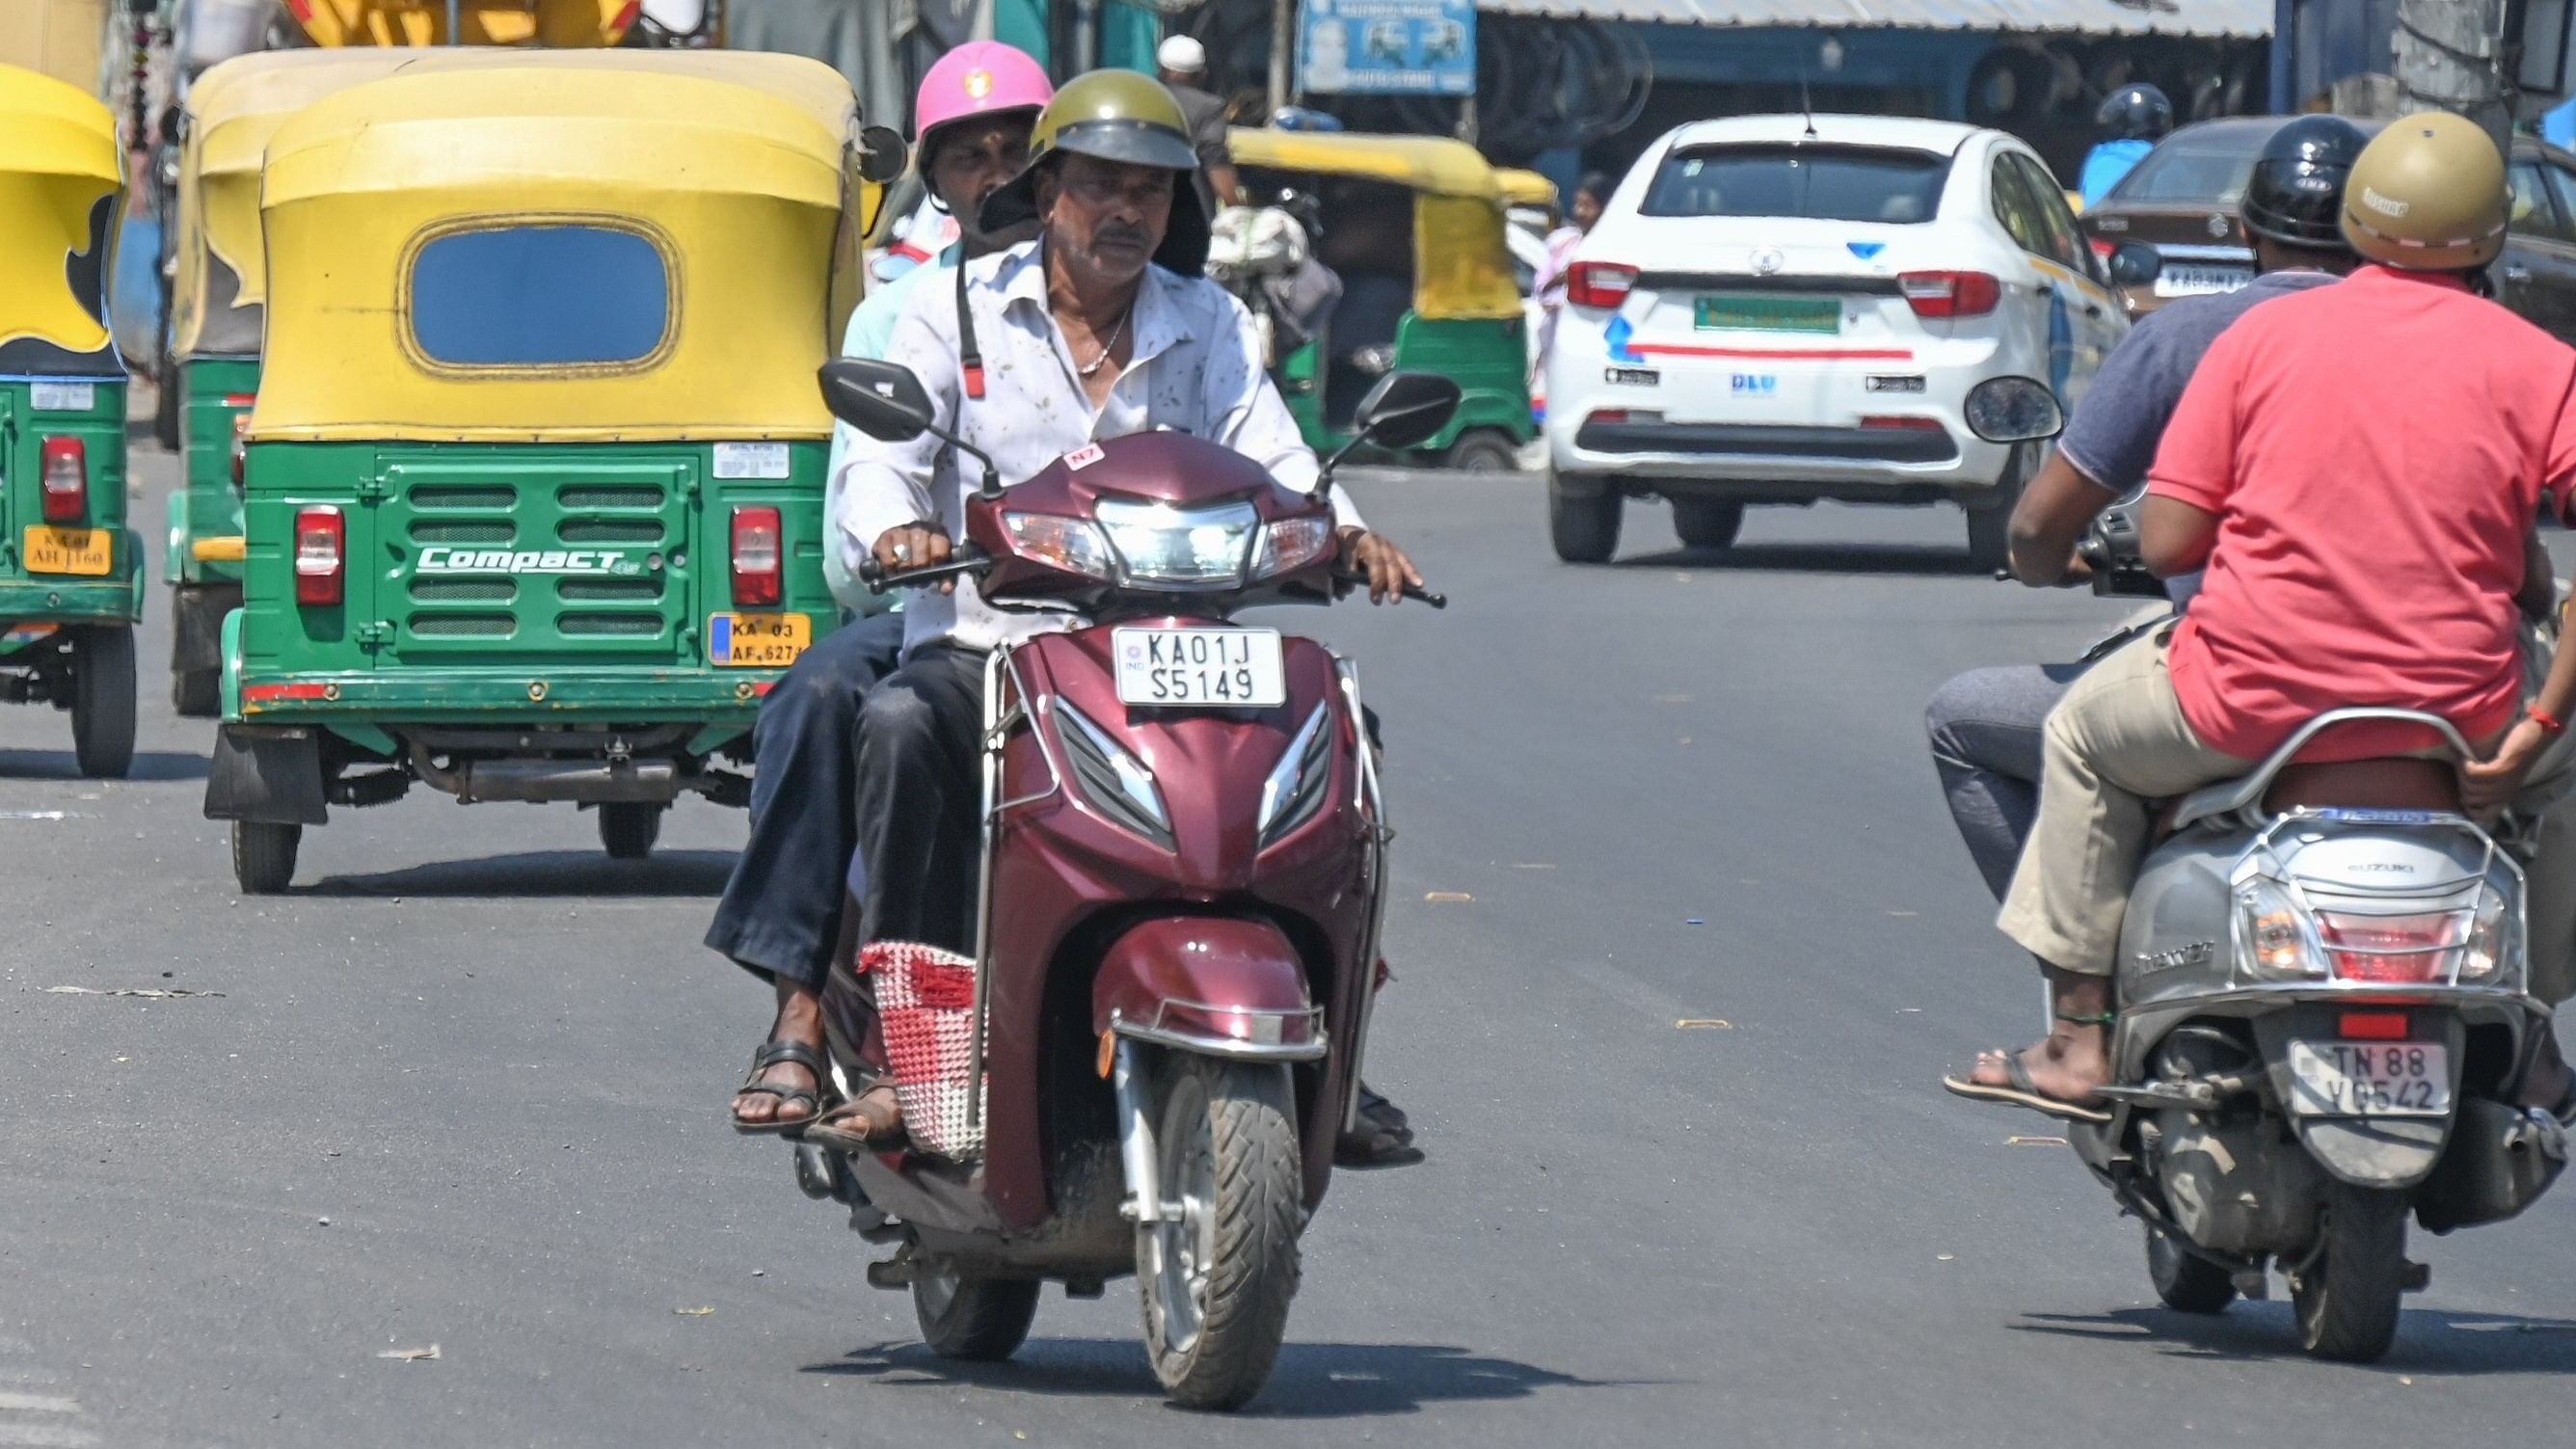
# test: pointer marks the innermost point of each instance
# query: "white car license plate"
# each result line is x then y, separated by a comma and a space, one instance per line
1200, 668
2369, 1079
2189, 281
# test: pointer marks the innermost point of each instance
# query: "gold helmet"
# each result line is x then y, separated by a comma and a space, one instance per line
1123, 116
2427, 194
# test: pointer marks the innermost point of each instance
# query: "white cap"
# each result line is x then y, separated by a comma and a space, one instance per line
1183, 54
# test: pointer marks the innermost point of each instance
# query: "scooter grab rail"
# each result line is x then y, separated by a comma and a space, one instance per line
2230, 797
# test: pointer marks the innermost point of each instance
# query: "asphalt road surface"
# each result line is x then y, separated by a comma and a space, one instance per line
464, 1089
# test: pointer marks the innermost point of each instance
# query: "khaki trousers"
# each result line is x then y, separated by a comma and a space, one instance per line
2117, 741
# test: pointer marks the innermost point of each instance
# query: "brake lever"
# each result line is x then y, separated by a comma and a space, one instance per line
967, 559
1350, 581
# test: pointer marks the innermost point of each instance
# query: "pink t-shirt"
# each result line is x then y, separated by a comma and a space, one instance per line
2374, 451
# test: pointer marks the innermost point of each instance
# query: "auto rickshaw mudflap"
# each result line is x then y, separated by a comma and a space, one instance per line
271, 774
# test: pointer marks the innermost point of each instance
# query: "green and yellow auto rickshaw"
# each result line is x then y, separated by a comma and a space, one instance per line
71, 572
217, 288
534, 478
1413, 227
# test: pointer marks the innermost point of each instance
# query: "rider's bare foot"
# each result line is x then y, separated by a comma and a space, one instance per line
786, 1092
2072, 1063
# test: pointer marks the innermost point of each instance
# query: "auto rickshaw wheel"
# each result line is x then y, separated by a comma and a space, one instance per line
197, 693
628, 828
1484, 450
264, 856
103, 700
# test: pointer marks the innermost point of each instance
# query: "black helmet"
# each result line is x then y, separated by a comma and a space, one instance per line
2295, 196
2135, 113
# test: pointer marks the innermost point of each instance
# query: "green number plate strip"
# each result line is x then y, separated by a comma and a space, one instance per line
1769, 314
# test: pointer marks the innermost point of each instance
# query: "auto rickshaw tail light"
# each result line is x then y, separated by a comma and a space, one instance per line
321, 556
66, 480
757, 552
1598, 284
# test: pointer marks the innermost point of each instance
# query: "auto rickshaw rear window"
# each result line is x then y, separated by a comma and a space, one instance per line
1885, 184
539, 295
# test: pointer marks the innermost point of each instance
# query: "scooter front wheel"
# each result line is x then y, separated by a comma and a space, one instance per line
1219, 1268
2347, 1297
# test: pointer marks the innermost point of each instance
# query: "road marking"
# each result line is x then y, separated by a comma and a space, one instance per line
39, 1403
46, 1436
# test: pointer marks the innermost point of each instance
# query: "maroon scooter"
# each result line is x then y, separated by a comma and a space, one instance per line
1183, 878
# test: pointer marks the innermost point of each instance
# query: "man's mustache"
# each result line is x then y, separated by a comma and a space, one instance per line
1119, 233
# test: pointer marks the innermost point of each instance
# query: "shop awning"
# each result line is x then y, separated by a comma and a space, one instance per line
2244, 19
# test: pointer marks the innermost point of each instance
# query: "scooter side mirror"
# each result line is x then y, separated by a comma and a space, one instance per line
882, 154
1406, 409
881, 399
2013, 410
2135, 264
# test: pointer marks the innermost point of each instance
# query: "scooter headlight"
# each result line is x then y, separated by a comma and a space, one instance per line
2275, 938
1183, 547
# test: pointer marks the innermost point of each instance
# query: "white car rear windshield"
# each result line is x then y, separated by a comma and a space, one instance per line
1893, 185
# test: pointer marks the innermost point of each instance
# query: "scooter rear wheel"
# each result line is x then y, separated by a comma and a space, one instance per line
2186, 1284
1218, 1276
2347, 1300
979, 1319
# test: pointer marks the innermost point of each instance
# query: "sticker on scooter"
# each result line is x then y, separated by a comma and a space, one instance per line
1083, 457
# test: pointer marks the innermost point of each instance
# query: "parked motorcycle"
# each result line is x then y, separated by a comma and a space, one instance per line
2324, 1021
1159, 1033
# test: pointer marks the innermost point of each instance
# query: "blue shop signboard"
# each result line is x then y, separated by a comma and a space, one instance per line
1388, 47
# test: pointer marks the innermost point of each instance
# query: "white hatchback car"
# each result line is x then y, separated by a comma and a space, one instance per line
1782, 309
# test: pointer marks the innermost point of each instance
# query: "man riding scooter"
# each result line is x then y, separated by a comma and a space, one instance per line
1985, 724
781, 913
2364, 531
1102, 328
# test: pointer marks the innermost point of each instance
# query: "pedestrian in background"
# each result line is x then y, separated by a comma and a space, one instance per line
1184, 67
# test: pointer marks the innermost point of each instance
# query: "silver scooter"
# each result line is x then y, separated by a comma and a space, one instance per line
2324, 1021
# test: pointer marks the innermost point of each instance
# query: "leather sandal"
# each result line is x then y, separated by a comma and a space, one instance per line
778, 1051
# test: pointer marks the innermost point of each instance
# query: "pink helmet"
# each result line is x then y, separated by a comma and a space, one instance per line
979, 78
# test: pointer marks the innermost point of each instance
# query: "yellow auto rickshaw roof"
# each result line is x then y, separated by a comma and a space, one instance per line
1424, 163
49, 128
1525, 188
652, 128
741, 187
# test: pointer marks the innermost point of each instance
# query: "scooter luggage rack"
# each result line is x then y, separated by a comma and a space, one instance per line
2262, 860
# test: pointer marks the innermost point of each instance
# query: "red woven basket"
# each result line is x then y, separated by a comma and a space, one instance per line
926, 1008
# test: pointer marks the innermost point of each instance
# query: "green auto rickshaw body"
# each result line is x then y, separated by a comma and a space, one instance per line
70, 569
1414, 228
533, 483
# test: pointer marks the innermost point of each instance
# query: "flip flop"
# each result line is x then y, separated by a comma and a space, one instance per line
2021, 1091
876, 1111
778, 1051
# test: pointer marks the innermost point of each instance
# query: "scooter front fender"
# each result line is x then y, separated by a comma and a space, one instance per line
1225, 985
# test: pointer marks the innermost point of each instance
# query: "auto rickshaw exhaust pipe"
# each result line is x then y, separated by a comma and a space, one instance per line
656, 782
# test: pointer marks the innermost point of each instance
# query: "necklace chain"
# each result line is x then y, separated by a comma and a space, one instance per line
1115, 335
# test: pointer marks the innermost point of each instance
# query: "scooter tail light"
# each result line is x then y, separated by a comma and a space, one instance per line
1599, 284
66, 479
321, 555
2410, 950
758, 554
2372, 1026
1950, 294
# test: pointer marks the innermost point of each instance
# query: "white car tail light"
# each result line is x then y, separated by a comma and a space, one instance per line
1950, 294
1598, 284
